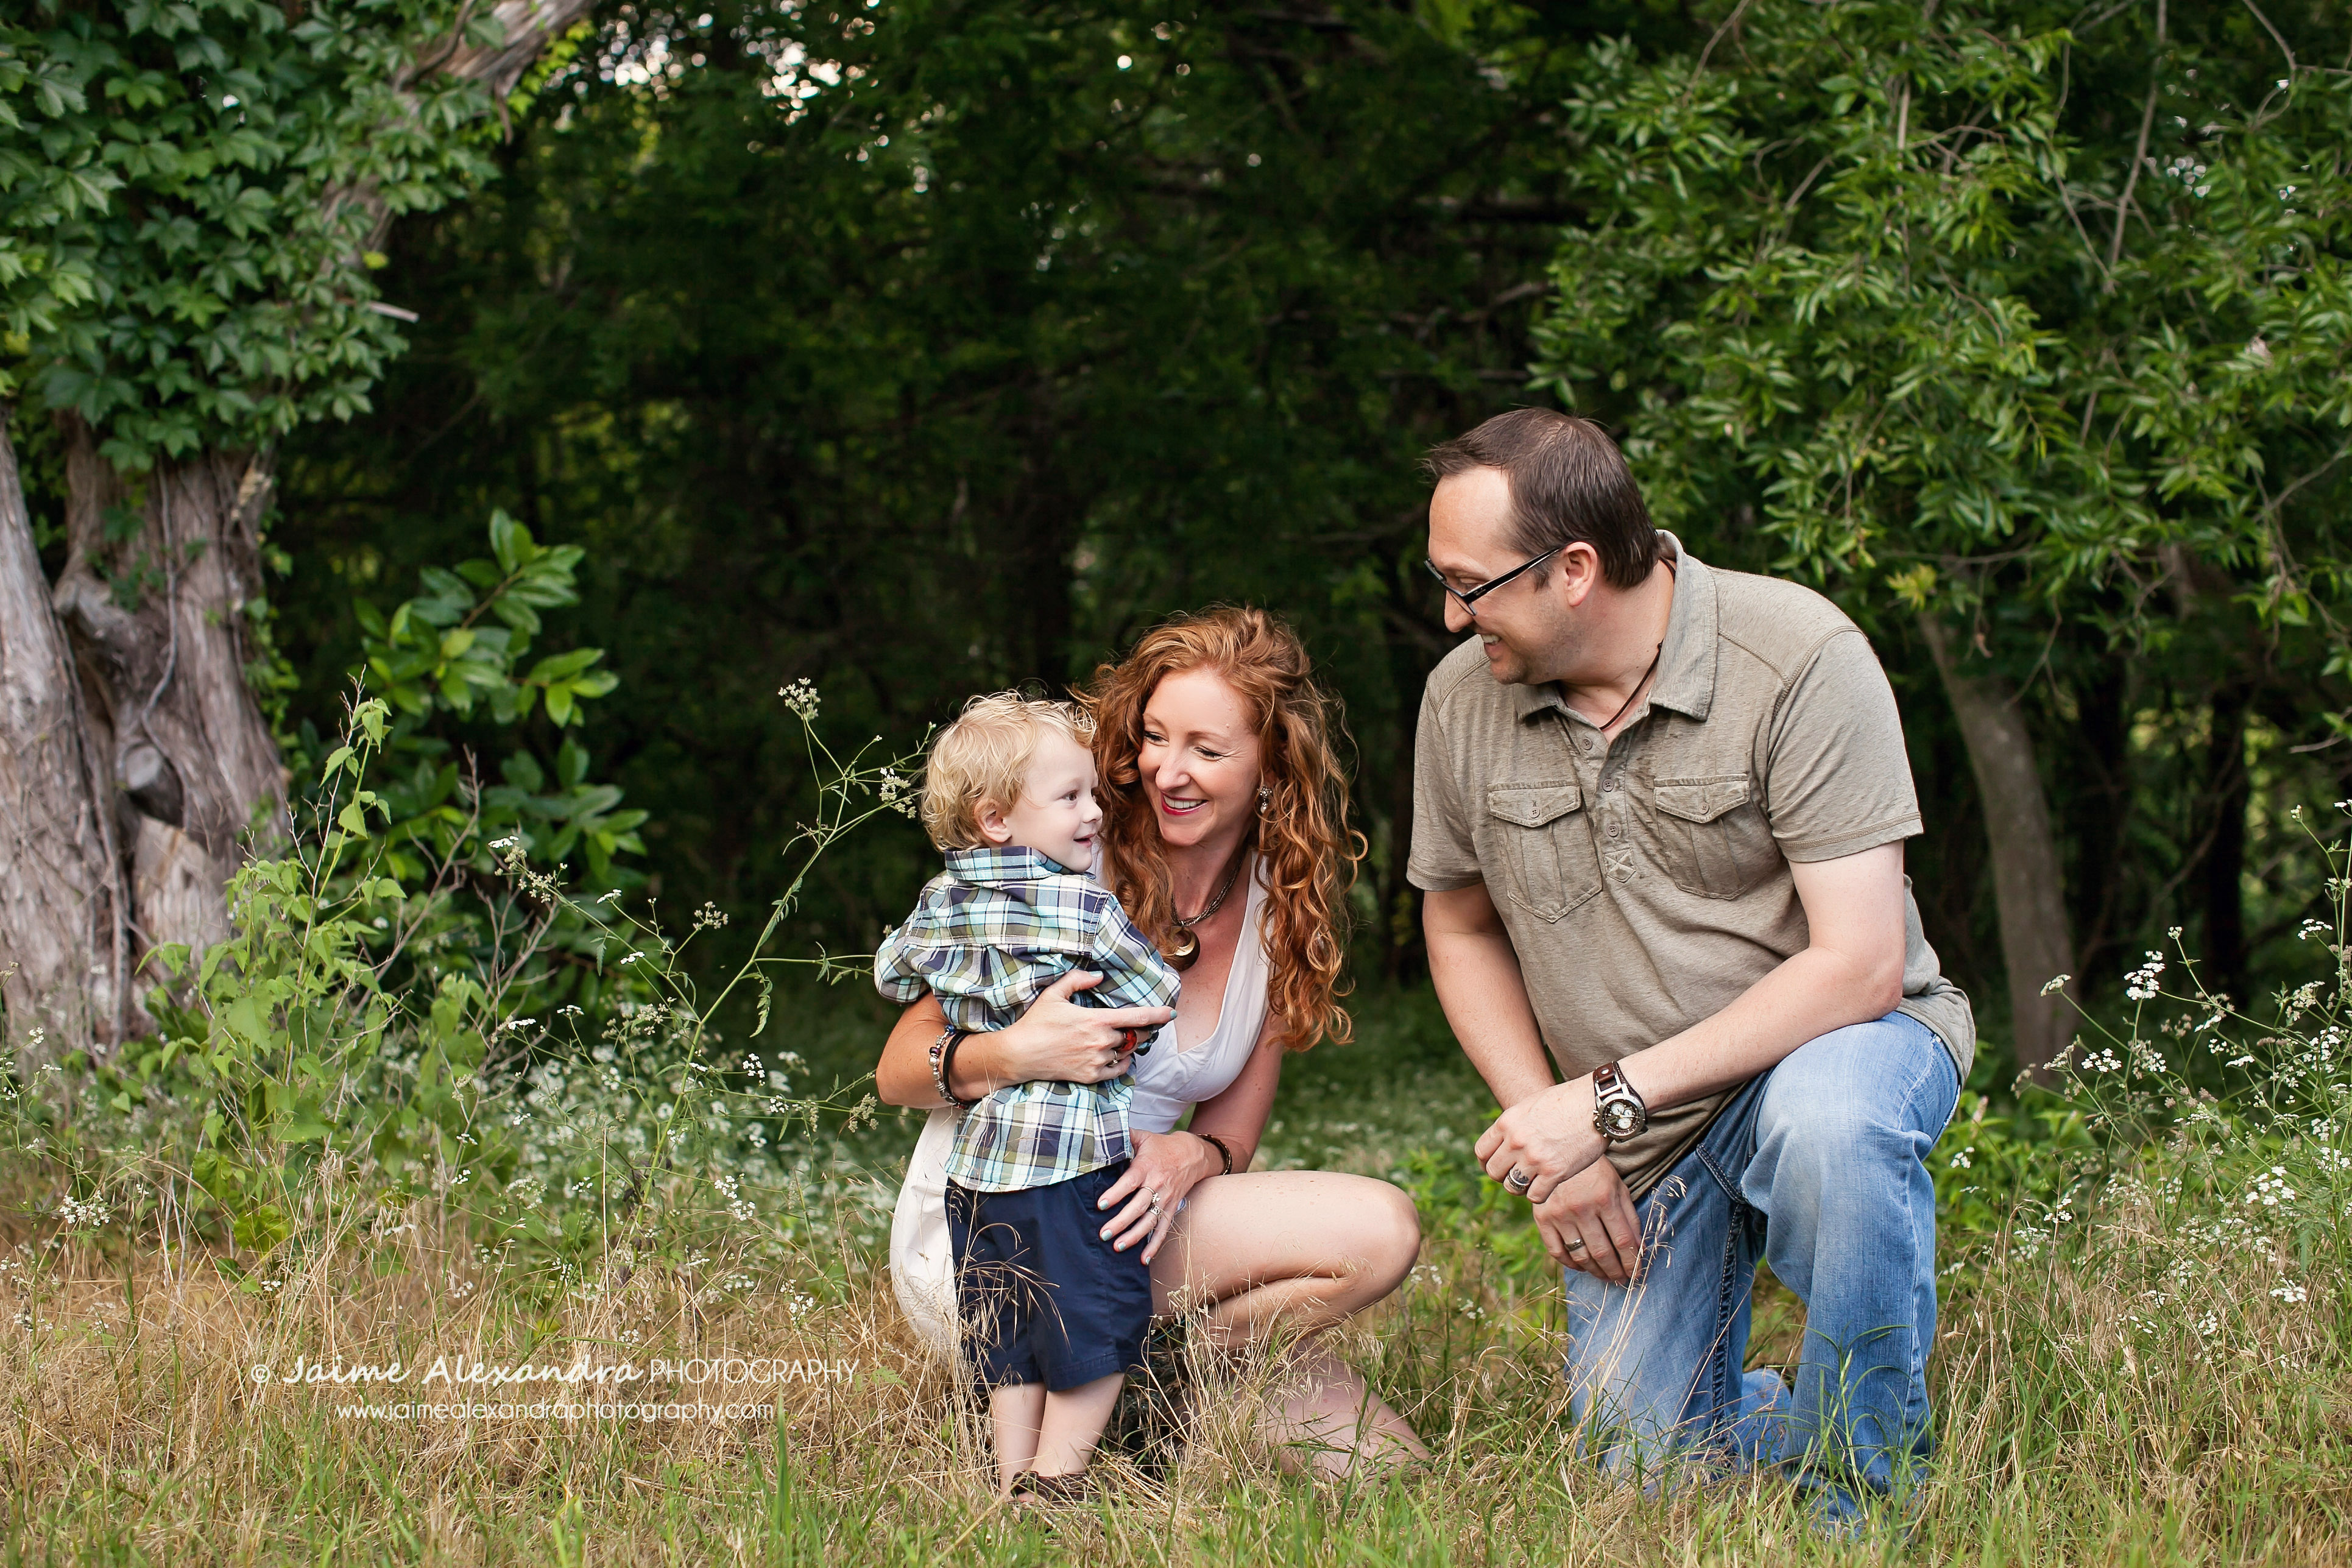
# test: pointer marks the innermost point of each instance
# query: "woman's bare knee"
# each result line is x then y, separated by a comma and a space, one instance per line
1398, 1229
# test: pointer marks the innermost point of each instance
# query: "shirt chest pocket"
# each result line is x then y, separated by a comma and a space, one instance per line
1547, 839
1713, 836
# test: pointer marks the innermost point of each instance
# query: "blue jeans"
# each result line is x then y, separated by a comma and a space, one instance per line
1818, 1166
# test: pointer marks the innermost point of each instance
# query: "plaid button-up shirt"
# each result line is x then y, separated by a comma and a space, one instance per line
985, 938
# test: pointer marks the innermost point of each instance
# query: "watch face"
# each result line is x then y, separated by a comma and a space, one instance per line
1619, 1118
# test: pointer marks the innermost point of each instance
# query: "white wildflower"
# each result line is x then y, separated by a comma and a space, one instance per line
801, 698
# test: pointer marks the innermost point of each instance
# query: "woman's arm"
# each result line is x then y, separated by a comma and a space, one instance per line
1238, 1115
1055, 1039
1168, 1165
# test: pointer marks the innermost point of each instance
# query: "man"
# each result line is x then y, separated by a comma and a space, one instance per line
1659, 815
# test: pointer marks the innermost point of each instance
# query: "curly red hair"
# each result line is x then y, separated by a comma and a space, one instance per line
1309, 851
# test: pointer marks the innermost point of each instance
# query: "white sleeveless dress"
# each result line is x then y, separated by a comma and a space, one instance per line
1166, 1082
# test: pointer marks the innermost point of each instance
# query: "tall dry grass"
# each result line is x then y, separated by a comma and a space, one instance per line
2070, 1431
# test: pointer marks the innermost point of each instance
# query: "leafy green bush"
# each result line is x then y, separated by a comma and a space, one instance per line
295, 1098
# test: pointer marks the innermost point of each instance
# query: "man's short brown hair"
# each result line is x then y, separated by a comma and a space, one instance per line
1569, 485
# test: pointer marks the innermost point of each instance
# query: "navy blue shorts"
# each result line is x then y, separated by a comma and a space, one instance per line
1042, 1298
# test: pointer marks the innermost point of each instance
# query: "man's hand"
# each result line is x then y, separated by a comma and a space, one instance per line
1588, 1223
1548, 1136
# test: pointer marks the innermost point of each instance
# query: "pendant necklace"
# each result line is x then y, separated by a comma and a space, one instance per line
1184, 948
1655, 657
1637, 687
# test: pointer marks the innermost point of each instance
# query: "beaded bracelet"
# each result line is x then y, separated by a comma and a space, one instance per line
1224, 1150
942, 1055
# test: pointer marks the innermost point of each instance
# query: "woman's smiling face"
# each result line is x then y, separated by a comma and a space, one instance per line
1199, 760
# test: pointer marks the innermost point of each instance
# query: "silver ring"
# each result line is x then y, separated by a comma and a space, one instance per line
1155, 1203
1519, 1180
1577, 1246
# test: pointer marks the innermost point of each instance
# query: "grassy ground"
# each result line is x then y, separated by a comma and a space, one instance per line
2146, 1392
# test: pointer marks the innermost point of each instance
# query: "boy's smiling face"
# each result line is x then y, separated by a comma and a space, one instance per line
1056, 815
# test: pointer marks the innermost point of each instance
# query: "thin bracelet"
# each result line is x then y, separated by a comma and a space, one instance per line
1224, 1151
942, 1053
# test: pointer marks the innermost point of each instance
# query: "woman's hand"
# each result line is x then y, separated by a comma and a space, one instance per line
1545, 1138
1588, 1224
1059, 1040
1166, 1167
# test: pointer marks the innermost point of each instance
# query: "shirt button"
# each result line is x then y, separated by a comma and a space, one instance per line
1616, 829
1610, 783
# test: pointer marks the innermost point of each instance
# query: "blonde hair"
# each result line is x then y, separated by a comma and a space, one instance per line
984, 756
1309, 851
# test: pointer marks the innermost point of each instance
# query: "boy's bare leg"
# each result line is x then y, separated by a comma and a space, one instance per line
1017, 1411
1074, 1423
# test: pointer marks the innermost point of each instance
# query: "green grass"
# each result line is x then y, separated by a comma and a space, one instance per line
2069, 1433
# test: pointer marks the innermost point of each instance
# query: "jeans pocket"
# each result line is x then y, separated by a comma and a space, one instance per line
1547, 841
1712, 831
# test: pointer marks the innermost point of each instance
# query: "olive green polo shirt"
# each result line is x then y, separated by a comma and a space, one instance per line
1645, 883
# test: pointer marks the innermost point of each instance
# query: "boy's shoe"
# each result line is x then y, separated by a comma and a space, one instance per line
1031, 1489
1153, 1421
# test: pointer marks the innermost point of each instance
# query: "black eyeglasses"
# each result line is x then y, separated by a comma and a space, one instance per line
1468, 597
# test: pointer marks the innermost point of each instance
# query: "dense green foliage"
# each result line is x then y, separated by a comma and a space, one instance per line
188, 193
2037, 321
920, 348
927, 347
1079, 345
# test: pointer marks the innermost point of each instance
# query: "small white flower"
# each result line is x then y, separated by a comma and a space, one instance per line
801, 698
2270, 1188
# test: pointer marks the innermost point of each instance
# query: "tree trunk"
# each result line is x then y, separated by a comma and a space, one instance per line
65, 961
2028, 885
136, 766
155, 595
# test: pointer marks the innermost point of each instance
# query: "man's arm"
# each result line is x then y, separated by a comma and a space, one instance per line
1484, 997
1850, 970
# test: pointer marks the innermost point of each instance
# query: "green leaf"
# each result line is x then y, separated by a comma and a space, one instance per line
563, 665
511, 543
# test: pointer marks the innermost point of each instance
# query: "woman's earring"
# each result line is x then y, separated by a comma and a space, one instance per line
1264, 800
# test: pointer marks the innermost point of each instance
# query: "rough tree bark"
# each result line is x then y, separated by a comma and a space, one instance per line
155, 595
2029, 885
134, 758
64, 958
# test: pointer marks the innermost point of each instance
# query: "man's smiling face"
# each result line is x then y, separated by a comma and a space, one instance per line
1528, 624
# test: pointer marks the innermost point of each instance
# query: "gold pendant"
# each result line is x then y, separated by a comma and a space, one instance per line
1182, 949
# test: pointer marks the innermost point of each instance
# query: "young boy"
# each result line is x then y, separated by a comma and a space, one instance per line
1052, 1315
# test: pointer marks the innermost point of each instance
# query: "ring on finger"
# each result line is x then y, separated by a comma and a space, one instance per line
1577, 1246
1519, 1180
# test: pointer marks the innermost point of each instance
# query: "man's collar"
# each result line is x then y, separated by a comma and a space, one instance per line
1685, 660
994, 868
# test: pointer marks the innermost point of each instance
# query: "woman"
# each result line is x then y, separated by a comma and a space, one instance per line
1225, 836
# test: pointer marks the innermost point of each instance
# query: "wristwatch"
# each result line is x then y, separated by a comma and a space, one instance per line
1618, 1113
